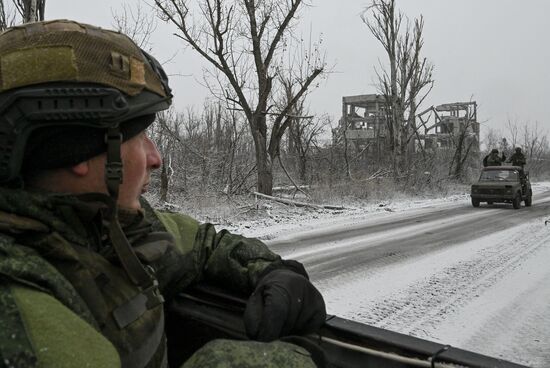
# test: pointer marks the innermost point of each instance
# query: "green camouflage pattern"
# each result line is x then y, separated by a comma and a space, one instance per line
493, 159
75, 272
224, 259
250, 354
518, 159
56, 244
59, 337
15, 348
233, 261
24, 265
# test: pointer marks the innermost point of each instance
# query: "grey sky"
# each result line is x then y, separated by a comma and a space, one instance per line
494, 51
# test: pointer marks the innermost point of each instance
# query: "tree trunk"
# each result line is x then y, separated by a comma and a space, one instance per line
302, 168
264, 163
265, 171
164, 182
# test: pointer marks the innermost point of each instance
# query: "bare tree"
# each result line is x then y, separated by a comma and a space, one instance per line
136, 23
513, 131
535, 146
407, 79
305, 137
4, 22
492, 139
303, 129
242, 40
30, 10
21, 11
464, 143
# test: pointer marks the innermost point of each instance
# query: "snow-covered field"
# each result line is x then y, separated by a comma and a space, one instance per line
490, 295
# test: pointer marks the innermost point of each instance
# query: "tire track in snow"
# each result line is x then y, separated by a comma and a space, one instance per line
459, 282
513, 316
417, 296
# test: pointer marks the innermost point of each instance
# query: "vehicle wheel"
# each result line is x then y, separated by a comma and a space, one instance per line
516, 202
528, 201
475, 202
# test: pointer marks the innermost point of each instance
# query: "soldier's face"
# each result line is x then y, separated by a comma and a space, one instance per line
140, 157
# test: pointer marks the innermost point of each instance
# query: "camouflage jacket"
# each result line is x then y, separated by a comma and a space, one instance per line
60, 282
493, 159
518, 159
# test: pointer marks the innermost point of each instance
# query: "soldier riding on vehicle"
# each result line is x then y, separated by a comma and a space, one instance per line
518, 158
493, 159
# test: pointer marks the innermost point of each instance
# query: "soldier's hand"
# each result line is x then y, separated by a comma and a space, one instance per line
283, 303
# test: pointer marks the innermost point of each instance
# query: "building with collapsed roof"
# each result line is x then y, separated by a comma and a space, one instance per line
364, 124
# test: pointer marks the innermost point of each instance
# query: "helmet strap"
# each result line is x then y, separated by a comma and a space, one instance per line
149, 296
113, 166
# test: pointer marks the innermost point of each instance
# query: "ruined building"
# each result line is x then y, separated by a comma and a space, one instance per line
443, 124
363, 124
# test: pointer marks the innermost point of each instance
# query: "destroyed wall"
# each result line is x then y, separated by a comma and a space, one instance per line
363, 124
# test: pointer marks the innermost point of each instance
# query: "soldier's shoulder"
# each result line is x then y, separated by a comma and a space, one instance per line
39, 330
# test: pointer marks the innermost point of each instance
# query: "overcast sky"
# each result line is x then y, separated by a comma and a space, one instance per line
493, 51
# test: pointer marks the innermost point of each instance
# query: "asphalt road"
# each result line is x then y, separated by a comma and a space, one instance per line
392, 237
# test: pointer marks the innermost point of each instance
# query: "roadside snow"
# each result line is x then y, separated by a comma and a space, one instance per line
282, 219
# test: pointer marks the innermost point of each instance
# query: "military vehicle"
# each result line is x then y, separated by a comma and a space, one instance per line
212, 314
502, 184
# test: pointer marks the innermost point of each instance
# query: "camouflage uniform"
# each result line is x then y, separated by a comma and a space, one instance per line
227, 353
68, 297
493, 159
518, 159
59, 286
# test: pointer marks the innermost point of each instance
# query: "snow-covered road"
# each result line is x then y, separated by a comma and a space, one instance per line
490, 295
478, 279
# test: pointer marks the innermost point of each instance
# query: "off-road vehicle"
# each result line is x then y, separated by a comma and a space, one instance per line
502, 184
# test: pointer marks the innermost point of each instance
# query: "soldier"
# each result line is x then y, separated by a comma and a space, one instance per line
493, 159
518, 158
86, 265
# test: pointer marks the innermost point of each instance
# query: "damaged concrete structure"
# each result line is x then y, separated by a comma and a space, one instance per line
443, 124
363, 124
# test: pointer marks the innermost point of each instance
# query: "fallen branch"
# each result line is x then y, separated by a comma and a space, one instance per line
296, 203
290, 178
278, 114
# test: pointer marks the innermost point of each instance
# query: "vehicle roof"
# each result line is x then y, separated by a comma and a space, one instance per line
501, 168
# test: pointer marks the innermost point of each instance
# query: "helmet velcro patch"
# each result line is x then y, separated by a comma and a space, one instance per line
38, 65
137, 71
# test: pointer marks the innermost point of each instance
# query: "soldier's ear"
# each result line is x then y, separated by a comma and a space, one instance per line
81, 169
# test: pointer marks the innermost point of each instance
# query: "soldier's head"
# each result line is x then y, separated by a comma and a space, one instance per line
494, 150
75, 101
518, 149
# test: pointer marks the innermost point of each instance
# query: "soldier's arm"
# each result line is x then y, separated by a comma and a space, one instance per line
223, 258
39, 331
281, 300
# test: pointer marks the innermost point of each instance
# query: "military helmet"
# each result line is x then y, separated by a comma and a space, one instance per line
63, 74
494, 150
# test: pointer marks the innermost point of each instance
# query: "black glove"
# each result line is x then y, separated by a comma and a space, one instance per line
284, 303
